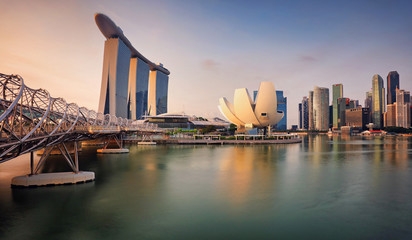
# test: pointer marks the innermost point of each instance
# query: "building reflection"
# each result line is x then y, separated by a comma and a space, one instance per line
245, 171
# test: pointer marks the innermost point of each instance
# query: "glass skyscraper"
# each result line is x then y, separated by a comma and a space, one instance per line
378, 101
403, 115
392, 83
281, 106
337, 90
138, 88
321, 108
158, 86
304, 113
310, 105
114, 88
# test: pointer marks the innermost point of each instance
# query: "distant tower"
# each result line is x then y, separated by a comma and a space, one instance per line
343, 104
337, 90
403, 115
254, 95
310, 106
282, 106
392, 83
378, 99
321, 108
304, 114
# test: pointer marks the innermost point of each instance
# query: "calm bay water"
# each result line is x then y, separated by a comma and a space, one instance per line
350, 188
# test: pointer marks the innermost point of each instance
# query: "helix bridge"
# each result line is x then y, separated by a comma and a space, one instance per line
31, 119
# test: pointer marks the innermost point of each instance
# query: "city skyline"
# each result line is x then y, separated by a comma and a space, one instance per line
59, 47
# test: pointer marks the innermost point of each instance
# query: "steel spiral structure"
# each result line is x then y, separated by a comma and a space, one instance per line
31, 119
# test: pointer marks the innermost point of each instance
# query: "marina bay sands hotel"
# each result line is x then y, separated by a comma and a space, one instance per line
132, 85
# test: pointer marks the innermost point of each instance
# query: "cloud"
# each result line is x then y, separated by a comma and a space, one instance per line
306, 58
210, 64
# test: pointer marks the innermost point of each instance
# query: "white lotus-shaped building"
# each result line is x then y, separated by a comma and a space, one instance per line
248, 114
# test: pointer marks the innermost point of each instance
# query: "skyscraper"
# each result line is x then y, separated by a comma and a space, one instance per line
126, 80
403, 115
390, 120
304, 113
392, 83
343, 104
138, 88
115, 80
321, 108
378, 99
310, 105
337, 90
368, 105
281, 106
158, 86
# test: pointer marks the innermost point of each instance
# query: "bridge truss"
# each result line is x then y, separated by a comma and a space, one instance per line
31, 119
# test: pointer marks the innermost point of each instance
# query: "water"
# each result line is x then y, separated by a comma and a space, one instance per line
350, 188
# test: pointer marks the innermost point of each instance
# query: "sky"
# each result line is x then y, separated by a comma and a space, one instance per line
211, 47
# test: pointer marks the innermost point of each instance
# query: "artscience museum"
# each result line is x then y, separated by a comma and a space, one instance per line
247, 114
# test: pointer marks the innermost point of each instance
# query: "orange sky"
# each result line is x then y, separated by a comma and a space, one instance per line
210, 47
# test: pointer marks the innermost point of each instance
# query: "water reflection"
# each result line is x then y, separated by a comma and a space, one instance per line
357, 187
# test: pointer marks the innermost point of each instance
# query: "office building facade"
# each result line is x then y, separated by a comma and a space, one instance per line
392, 83
378, 101
304, 114
390, 115
282, 106
357, 118
321, 108
337, 92
403, 115
310, 105
342, 105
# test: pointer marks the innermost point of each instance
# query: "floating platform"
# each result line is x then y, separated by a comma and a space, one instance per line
112, 150
146, 143
50, 179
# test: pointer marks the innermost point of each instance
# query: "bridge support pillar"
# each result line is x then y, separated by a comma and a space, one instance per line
35, 179
118, 142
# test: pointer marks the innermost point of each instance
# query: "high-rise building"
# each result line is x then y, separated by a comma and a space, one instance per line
357, 117
378, 101
281, 106
300, 115
392, 83
403, 115
304, 114
310, 105
337, 90
343, 104
321, 108
115, 80
390, 119
352, 104
158, 86
131, 83
368, 105
138, 88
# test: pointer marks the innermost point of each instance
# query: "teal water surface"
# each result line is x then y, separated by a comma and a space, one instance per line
323, 188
